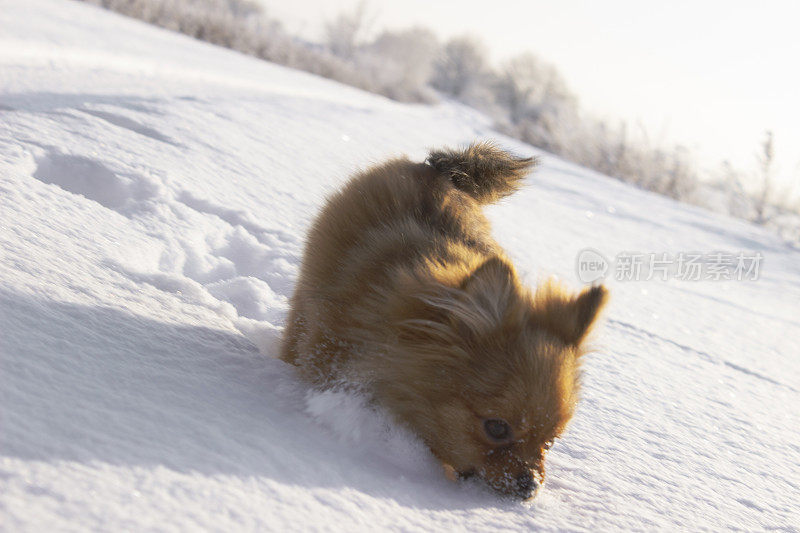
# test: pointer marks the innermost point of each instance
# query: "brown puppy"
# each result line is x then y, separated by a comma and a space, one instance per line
403, 292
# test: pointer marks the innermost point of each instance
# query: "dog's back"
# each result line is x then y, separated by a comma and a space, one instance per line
387, 220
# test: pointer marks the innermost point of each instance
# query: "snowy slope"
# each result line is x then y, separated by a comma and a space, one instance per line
154, 194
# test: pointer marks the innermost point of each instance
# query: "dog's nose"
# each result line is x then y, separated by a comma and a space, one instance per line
526, 485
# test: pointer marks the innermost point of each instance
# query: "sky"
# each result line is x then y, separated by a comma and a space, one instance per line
710, 75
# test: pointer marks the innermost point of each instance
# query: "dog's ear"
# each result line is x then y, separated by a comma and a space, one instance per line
491, 284
569, 317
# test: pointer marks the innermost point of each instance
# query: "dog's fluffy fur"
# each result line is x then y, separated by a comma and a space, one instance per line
404, 292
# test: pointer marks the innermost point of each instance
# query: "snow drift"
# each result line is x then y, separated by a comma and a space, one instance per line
154, 194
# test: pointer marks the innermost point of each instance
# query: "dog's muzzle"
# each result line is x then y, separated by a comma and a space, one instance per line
526, 485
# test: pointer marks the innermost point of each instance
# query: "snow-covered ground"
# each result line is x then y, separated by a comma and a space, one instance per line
154, 194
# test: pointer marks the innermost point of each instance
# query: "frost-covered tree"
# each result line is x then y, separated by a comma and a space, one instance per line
677, 179
526, 97
539, 107
344, 33
462, 64
732, 183
400, 63
526, 85
766, 162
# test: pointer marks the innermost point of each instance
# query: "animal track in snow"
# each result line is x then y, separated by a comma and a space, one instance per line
251, 297
83, 176
246, 249
95, 181
130, 124
235, 267
235, 218
225, 259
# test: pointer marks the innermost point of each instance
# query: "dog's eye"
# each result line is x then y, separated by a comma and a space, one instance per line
497, 429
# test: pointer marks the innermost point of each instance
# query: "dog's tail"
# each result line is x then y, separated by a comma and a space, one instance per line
482, 170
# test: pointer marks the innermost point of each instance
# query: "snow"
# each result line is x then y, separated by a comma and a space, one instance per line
154, 195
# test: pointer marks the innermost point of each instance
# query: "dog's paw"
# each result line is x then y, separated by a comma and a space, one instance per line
450, 472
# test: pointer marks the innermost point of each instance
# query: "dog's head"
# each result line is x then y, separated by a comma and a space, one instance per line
487, 373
